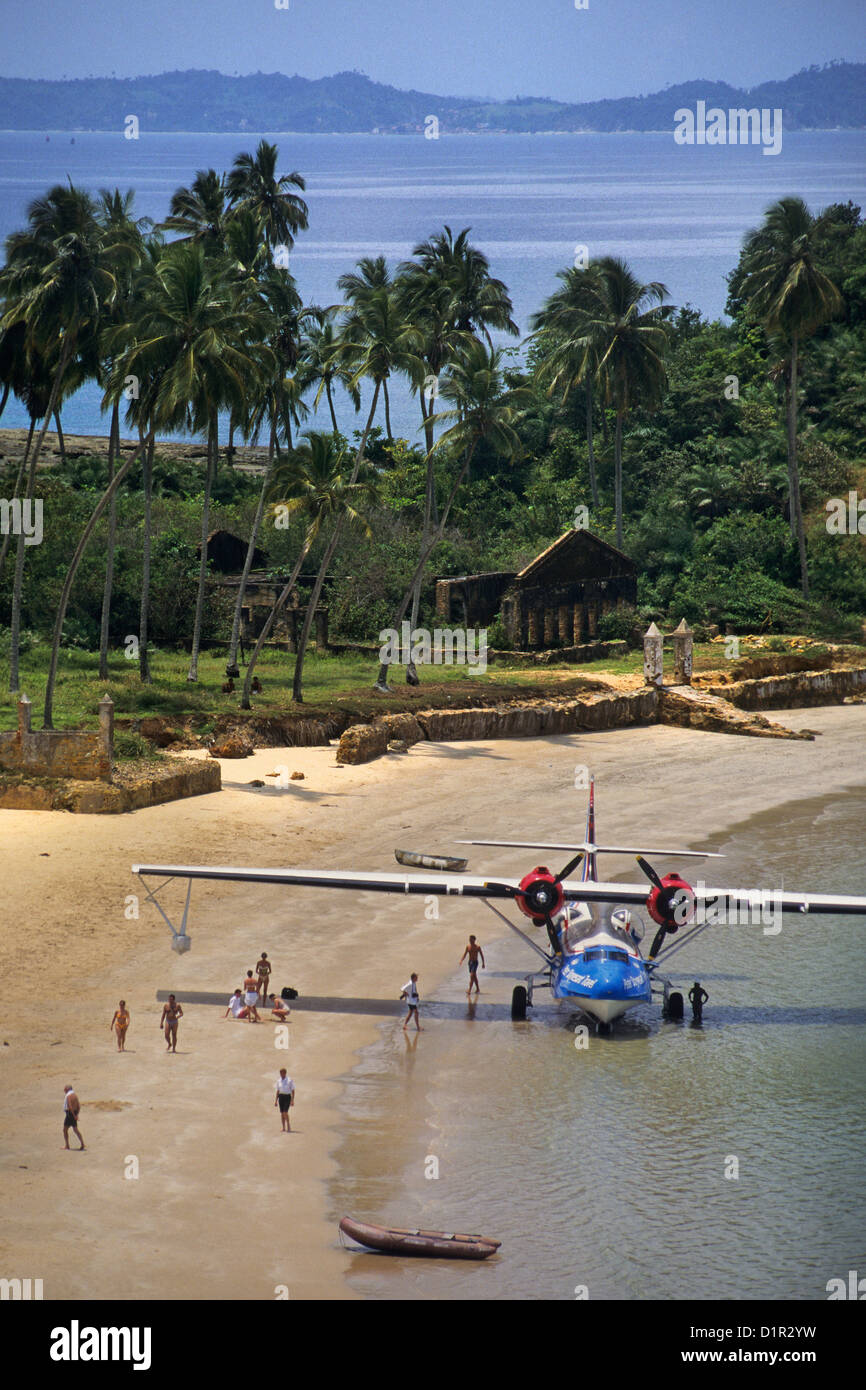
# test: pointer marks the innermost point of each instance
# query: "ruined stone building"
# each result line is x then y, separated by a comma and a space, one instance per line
555, 601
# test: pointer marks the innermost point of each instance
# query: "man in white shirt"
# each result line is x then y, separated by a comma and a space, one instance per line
285, 1098
236, 1007
413, 999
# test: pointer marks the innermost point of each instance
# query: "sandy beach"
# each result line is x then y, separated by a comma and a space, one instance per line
224, 1205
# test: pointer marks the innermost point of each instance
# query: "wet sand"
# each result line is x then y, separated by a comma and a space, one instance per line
225, 1205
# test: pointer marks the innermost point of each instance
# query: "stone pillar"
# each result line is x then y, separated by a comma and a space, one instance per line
549, 627
577, 623
321, 619
653, 655
534, 629
25, 710
564, 619
592, 618
683, 640
106, 726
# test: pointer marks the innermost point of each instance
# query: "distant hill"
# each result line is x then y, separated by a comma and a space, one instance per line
825, 98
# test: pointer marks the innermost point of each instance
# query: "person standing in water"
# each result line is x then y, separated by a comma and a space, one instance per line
473, 951
413, 999
120, 1023
172, 1013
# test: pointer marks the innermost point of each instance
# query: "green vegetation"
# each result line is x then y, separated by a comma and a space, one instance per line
817, 98
707, 451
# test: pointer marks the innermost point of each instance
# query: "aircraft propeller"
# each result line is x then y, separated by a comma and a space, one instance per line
671, 903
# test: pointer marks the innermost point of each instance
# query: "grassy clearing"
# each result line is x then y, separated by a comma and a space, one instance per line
331, 682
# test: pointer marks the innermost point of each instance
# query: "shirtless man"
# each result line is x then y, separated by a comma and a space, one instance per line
71, 1107
263, 971
120, 1023
251, 996
473, 951
171, 1014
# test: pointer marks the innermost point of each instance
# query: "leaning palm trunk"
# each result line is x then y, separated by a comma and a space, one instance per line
617, 485
192, 674
794, 472
412, 677
61, 442
17, 588
382, 678
144, 612
113, 450
297, 679
287, 589
4, 549
232, 668
103, 502
593, 484
6, 390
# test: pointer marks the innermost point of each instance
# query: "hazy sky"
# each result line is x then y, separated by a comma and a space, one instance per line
452, 47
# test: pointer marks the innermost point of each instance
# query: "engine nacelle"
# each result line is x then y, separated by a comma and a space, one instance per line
673, 904
540, 896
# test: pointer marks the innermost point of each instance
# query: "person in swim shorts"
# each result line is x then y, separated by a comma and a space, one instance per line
71, 1107
413, 999
172, 1013
285, 1098
473, 951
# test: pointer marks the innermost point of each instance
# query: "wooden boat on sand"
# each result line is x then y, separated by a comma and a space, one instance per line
444, 1245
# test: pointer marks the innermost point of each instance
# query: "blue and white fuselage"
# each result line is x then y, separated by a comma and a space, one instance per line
600, 967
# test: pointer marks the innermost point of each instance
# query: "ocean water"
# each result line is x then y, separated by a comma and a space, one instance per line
676, 213
610, 1169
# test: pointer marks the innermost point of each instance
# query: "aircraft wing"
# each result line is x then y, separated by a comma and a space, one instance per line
477, 886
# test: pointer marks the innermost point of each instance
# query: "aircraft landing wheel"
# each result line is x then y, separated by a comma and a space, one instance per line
518, 1003
604, 1029
674, 1007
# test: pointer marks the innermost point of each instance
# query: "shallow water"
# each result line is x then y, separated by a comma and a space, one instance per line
605, 1167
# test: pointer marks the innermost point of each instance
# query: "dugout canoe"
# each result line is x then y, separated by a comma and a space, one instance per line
395, 1240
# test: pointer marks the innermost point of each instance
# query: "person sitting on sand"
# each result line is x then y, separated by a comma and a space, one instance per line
120, 1023
236, 1007
251, 995
278, 1008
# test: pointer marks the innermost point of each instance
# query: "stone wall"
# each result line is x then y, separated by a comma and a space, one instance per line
86, 757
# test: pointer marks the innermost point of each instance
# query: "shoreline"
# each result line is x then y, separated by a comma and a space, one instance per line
209, 1149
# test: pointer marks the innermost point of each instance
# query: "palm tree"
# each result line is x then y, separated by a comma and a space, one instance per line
279, 406
59, 279
206, 349
200, 212
117, 218
253, 185
569, 359
791, 297
484, 410
376, 338
321, 355
311, 482
624, 334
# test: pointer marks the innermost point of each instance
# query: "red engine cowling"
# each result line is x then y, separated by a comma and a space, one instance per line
540, 896
673, 904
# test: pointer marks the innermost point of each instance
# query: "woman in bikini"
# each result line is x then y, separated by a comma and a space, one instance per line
120, 1023
251, 996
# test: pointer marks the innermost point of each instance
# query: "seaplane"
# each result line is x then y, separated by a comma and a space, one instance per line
592, 958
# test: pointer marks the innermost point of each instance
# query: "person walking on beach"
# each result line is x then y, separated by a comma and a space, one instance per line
263, 972
71, 1107
285, 1098
120, 1023
413, 999
473, 951
251, 996
172, 1013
